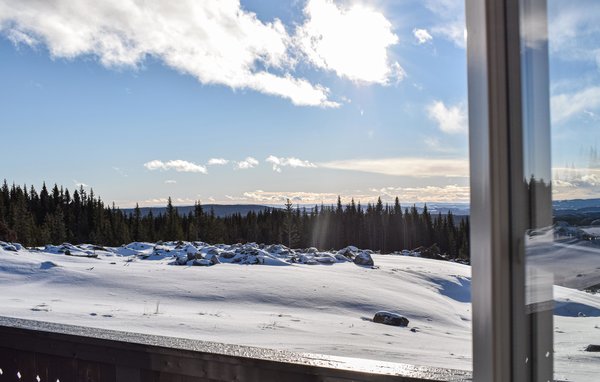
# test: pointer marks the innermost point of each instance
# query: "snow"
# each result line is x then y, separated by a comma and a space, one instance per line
304, 301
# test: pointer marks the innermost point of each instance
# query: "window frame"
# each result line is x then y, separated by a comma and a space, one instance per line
510, 341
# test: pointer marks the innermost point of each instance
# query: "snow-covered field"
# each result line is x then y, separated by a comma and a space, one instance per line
271, 297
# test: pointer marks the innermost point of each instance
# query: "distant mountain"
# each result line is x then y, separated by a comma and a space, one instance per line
575, 204
578, 212
220, 210
585, 210
223, 210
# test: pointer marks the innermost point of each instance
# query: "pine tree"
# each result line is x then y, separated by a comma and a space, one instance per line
290, 226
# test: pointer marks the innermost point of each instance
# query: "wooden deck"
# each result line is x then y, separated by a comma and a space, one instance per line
66, 353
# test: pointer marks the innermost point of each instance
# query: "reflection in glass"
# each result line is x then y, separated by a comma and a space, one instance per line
560, 78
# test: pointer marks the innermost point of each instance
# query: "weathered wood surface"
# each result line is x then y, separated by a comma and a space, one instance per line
70, 353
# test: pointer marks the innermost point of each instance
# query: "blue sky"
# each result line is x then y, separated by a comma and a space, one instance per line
251, 102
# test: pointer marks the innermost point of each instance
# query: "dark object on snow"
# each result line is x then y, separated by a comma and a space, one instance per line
202, 263
213, 258
593, 348
227, 255
182, 260
389, 318
363, 258
415, 330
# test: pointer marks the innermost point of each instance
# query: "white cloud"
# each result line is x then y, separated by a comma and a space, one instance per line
454, 31
449, 193
451, 120
278, 163
414, 167
351, 40
450, 23
177, 165
444, 193
567, 105
217, 162
247, 163
575, 183
422, 36
170, 181
80, 184
574, 30
273, 197
161, 202
215, 41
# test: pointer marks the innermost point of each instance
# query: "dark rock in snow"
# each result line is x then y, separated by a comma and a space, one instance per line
325, 258
48, 265
389, 318
364, 258
182, 260
202, 262
211, 251
348, 252
593, 348
214, 259
342, 258
227, 255
10, 247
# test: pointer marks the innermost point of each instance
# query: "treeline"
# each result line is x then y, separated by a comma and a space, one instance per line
57, 216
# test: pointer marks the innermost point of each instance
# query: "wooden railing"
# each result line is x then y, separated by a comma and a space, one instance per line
42, 351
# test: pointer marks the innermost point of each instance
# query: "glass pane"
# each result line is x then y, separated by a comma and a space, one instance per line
563, 252
299, 166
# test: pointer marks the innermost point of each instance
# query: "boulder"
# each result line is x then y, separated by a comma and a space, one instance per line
182, 260
364, 258
202, 262
348, 252
389, 318
211, 251
311, 250
10, 247
341, 257
227, 255
593, 348
251, 259
214, 259
325, 258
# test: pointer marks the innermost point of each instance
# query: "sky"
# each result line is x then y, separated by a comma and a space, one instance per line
258, 101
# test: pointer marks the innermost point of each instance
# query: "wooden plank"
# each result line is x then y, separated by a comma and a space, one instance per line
52, 368
9, 365
71, 358
95, 372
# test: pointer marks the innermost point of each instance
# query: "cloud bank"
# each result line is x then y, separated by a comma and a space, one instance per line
215, 41
177, 165
278, 163
415, 167
247, 163
567, 105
